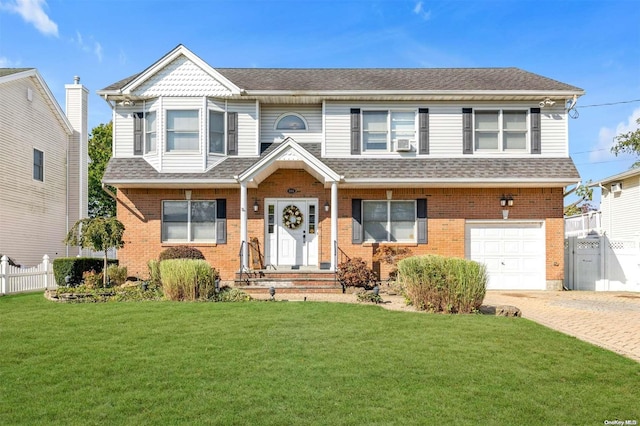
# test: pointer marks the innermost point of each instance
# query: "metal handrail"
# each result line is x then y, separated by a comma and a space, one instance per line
241, 256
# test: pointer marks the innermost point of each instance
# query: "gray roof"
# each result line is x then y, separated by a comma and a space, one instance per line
423, 169
9, 71
420, 79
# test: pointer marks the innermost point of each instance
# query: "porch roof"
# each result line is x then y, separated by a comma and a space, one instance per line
367, 172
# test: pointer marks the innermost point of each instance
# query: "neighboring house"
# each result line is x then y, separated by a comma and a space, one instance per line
620, 205
319, 164
43, 166
603, 247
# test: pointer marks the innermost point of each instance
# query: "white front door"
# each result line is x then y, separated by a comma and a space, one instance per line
291, 227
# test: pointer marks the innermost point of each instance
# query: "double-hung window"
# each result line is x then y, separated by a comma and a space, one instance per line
500, 130
38, 165
387, 221
183, 130
189, 221
381, 130
150, 132
216, 132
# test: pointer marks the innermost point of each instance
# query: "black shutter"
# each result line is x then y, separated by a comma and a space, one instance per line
221, 221
355, 131
423, 128
138, 135
356, 221
536, 145
467, 131
421, 215
232, 133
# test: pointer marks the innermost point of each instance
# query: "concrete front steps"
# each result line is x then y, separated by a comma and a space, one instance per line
288, 280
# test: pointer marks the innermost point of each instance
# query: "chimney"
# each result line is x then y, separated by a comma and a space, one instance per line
76, 108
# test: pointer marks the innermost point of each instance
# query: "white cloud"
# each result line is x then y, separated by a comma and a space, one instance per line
8, 63
32, 11
606, 137
88, 46
419, 10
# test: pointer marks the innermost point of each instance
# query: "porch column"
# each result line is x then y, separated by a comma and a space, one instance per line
334, 224
243, 225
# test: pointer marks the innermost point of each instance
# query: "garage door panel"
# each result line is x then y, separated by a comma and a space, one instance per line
514, 253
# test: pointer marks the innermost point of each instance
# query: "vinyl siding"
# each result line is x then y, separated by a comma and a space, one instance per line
312, 114
247, 127
32, 213
621, 211
445, 127
123, 131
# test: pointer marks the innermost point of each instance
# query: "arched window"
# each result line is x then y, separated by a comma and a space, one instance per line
291, 121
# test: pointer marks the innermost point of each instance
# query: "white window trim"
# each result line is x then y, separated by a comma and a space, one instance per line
388, 240
501, 149
33, 169
189, 237
295, 114
166, 130
224, 131
391, 142
144, 132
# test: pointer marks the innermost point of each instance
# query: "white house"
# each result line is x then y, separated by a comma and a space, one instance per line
43, 166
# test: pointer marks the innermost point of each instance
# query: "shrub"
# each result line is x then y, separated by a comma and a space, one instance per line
181, 252
355, 273
391, 255
74, 267
117, 275
229, 294
367, 296
187, 279
154, 272
92, 279
443, 284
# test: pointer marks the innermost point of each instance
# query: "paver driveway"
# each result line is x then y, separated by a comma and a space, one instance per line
607, 319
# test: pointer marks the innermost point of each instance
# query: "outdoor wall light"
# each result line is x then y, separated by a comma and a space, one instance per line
255, 205
506, 200
326, 206
187, 194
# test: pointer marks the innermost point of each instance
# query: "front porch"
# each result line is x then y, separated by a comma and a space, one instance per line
289, 279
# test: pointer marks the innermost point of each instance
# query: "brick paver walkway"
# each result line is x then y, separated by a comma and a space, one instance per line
610, 320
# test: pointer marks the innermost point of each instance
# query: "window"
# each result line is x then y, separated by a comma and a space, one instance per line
38, 165
182, 130
188, 221
385, 221
291, 121
382, 129
150, 132
216, 132
500, 130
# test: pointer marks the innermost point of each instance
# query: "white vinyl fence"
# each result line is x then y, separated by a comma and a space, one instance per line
597, 263
14, 279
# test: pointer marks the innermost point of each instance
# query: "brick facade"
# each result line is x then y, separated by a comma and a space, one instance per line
447, 210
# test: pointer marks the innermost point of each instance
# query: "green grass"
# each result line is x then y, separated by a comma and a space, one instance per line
297, 363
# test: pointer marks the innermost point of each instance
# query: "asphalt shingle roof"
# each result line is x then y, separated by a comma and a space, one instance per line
9, 71
424, 169
428, 79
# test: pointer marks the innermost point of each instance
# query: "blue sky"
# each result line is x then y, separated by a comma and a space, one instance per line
594, 45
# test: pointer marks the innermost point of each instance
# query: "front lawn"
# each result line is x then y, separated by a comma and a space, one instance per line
297, 363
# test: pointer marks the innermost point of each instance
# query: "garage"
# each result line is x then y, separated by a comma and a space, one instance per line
513, 252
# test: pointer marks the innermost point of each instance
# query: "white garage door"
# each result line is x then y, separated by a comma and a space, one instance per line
514, 253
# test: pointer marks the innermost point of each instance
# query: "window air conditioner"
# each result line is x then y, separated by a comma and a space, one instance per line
403, 145
616, 187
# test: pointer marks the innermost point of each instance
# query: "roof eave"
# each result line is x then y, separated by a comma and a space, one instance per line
458, 183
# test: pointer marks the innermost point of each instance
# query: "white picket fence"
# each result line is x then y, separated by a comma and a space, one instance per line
14, 279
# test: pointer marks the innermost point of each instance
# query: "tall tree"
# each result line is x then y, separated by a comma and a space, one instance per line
628, 143
100, 141
585, 194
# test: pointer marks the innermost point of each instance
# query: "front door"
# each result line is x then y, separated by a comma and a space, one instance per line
292, 232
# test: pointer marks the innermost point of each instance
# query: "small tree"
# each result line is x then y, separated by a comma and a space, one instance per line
628, 143
99, 234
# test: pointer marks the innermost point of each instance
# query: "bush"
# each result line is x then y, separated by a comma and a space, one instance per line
443, 284
181, 252
187, 279
154, 272
367, 296
92, 279
75, 267
391, 255
355, 273
117, 275
229, 294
